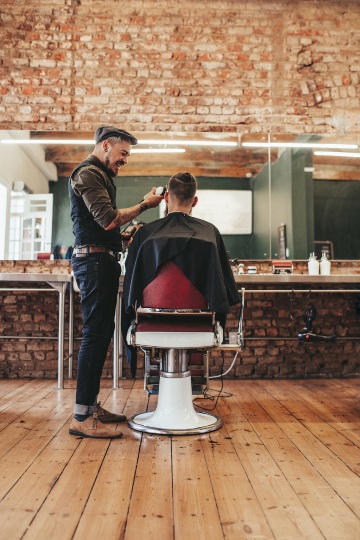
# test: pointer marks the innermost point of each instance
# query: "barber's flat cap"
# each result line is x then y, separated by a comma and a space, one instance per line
104, 132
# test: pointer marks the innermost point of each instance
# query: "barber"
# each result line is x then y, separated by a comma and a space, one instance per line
96, 227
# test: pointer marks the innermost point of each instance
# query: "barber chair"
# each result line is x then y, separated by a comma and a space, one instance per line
174, 318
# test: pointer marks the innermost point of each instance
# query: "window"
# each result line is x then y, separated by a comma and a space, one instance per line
30, 225
3, 217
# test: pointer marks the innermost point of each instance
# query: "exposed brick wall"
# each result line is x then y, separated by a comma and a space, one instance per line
242, 66
271, 346
272, 349
231, 65
32, 315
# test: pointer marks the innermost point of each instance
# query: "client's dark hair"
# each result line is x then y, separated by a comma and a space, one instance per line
183, 185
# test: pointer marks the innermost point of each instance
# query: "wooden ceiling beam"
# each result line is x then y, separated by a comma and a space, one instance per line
226, 162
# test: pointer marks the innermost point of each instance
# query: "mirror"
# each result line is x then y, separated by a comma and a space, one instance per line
302, 198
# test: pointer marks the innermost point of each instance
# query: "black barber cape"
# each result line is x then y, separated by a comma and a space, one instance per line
196, 247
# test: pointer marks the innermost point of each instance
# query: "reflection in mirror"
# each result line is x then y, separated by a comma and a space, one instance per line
299, 193
315, 189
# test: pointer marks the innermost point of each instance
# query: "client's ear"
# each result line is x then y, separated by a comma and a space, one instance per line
195, 201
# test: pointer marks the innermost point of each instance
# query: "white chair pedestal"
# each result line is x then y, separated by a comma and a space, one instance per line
175, 413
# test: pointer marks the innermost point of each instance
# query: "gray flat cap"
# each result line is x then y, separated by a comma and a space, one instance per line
104, 132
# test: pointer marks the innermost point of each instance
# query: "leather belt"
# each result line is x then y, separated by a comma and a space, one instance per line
83, 251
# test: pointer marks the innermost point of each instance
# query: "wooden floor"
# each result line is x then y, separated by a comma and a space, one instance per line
285, 465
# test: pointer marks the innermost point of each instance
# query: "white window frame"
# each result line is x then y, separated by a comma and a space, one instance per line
30, 226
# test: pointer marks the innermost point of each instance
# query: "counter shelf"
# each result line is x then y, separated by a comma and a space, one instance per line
57, 282
303, 279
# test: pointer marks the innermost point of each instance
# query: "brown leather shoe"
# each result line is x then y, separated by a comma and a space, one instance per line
107, 417
93, 429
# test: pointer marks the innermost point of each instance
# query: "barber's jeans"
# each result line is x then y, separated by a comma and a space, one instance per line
97, 276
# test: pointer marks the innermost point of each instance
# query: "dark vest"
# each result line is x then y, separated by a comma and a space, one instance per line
86, 230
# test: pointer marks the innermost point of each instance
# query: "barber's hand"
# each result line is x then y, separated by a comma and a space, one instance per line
152, 200
126, 239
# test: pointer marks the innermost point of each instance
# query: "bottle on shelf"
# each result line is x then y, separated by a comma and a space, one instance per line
313, 265
325, 265
241, 269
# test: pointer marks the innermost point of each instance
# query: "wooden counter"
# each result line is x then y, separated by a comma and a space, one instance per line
272, 349
304, 279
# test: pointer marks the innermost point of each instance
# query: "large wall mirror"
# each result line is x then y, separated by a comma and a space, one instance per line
272, 196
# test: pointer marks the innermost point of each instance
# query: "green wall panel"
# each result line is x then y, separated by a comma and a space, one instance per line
130, 190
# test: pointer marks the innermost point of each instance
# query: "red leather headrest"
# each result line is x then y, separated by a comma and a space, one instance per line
172, 289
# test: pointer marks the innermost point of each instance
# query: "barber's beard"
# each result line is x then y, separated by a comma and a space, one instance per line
107, 166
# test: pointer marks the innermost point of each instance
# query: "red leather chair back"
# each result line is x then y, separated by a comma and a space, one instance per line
171, 289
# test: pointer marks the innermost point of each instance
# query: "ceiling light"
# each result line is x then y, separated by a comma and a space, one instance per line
168, 142
338, 154
298, 145
87, 141
157, 150
188, 143
47, 141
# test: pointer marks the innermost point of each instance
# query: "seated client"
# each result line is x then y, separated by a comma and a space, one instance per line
194, 245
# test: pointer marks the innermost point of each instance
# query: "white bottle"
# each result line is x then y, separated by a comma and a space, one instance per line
313, 265
325, 265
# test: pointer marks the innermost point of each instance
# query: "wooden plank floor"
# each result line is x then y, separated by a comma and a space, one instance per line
285, 465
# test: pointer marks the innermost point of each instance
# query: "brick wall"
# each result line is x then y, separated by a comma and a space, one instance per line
243, 66
233, 65
272, 349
